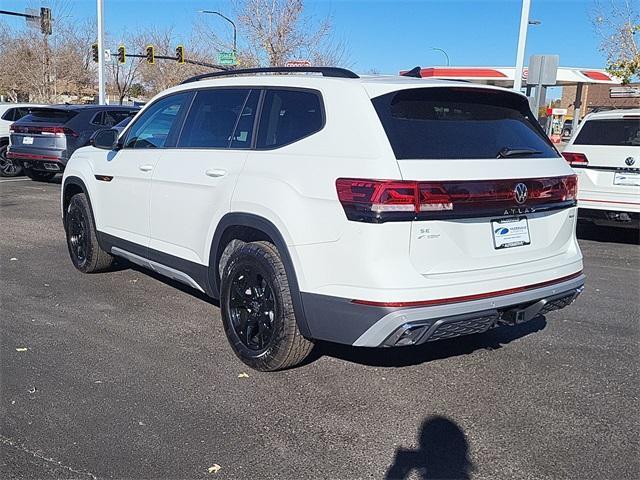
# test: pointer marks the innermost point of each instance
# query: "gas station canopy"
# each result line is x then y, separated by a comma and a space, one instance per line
503, 76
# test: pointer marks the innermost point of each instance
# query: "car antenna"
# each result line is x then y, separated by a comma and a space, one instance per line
414, 72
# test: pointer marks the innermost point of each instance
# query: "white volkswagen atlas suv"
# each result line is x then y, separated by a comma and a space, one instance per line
318, 205
605, 153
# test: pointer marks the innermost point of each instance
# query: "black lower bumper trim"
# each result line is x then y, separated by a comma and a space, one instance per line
415, 333
42, 165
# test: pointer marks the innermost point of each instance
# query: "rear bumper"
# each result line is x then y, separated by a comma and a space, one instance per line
51, 162
340, 320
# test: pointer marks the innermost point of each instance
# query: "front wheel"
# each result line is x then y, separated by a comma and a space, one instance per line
257, 310
39, 176
8, 167
82, 242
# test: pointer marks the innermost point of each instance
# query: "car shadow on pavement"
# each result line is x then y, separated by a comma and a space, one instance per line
415, 355
443, 453
588, 231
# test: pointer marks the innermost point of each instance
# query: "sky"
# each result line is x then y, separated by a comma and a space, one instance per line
389, 35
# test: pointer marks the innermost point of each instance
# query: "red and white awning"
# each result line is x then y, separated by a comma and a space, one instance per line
503, 76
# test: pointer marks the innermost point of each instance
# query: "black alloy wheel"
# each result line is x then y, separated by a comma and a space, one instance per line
257, 308
82, 242
252, 308
77, 234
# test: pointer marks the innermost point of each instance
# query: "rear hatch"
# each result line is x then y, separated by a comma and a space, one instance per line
606, 154
491, 192
43, 134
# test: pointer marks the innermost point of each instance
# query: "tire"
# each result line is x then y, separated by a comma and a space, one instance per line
82, 242
39, 176
257, 310
8, 167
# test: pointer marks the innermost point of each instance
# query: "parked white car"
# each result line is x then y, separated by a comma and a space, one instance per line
605, 153
376, 211
9, 113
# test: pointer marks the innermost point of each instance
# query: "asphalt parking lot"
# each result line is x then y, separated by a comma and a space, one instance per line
126, 376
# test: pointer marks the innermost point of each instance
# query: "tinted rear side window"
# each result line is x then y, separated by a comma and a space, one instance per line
448, 123
618, 132
14, 114
288, 116
113, 117
48, 115
212, 118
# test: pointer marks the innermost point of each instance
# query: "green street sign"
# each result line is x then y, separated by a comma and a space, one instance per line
227, 58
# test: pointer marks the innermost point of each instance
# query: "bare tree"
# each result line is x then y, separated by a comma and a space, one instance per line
167, 73
278, 31
617, 22
121, 77
45, 68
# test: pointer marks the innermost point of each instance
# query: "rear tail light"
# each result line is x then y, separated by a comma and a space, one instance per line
53, 131
576, 159
378, 201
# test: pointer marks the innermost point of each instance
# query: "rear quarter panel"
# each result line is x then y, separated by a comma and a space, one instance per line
294, 186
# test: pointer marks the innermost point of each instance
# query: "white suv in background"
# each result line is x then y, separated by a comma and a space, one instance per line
374, 211
605, 152
9, 113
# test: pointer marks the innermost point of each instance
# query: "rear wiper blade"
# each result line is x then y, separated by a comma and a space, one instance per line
507, 152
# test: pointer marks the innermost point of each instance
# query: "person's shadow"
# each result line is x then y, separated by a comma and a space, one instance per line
443, 453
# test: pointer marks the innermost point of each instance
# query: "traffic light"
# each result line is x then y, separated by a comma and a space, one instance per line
151, 58
94, 52
122, 54
45, 20
180, 54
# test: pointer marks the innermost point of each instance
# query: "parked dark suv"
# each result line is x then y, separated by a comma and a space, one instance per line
42, 141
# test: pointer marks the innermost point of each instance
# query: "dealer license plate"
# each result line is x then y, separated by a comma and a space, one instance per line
510, 232
626, 178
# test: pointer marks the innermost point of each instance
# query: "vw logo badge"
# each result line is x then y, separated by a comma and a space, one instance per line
630, 161
520, 193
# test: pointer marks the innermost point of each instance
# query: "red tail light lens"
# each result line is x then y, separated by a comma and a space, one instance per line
378, 196
32, 130
576, 159
378, 201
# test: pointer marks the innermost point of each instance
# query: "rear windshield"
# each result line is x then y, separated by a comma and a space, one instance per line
48, 115
446, 123
619, 132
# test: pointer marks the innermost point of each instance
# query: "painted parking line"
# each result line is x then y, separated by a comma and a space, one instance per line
15, 180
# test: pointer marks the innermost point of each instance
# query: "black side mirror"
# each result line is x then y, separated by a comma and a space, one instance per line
107, 139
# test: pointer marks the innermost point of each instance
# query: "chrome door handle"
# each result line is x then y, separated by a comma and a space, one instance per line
215, 172
146, 168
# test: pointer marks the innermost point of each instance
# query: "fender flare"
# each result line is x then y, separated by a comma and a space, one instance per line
239, 219
78, 182
72, 180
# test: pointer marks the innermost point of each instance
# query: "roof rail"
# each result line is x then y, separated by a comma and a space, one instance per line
335, 72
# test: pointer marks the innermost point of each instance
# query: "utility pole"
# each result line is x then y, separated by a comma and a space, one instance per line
235, 31
446, 55
522, 42
101, 79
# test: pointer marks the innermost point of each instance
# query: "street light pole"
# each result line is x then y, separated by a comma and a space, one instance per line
445, 53
228, 20
101, 96
522, 42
